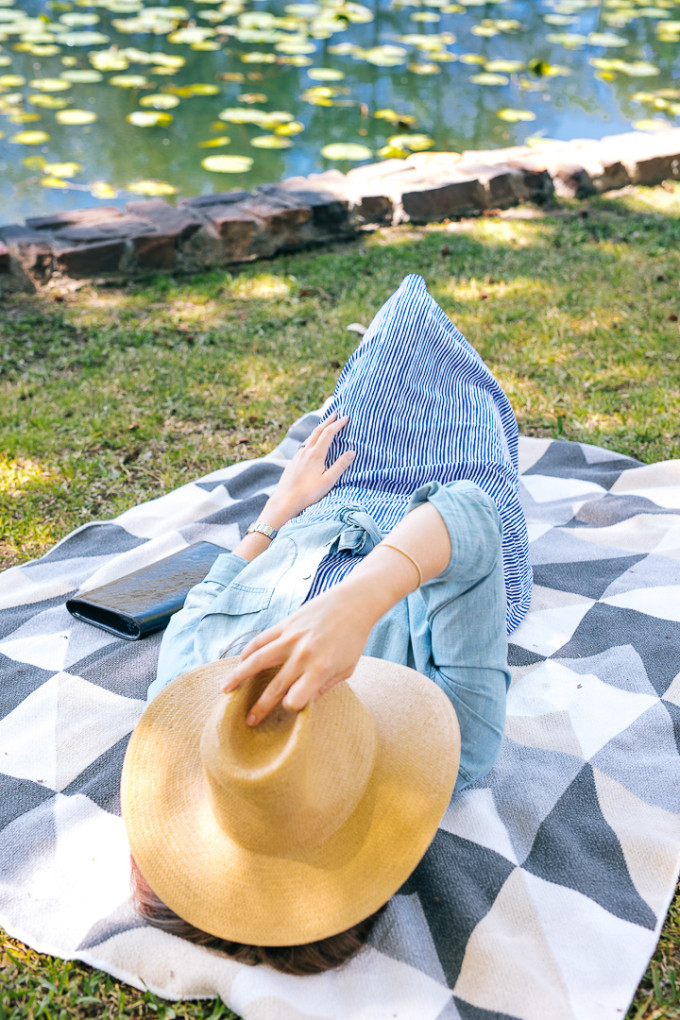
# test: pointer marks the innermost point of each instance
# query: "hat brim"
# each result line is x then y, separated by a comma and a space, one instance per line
236, 894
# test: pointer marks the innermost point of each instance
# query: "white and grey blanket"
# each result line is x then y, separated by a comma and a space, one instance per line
544, 890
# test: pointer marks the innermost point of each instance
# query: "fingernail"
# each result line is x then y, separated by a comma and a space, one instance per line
351, 454
251, 719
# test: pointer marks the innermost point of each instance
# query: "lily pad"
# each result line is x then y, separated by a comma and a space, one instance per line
272, 118
271, 142
53, 182
416, 143
30, 138
487, 78
385, 56
47, 102
651, 124
77, 18
350, 151
193, 34
607, 39
149, 118
292, 127
242, 115
129, 81
197, 89
109, 60
34, 162
295, 47
101, 189
162, 101
50, 84
83, 76
227, 164
393, 117
23, 117
83, 39
325, 74
513, 116
76, 116
258, 58
214, 143
503, 66
425, 68
151, 188
62, 169
392, 152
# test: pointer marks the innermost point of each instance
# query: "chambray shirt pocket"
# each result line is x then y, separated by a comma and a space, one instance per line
244, 599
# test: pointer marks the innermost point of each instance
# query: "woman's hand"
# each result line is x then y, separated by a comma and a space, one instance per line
305, 478
316, 647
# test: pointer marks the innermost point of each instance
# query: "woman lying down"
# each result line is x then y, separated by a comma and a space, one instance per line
277, 798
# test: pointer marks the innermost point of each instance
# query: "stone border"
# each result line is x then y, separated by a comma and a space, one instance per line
106, 244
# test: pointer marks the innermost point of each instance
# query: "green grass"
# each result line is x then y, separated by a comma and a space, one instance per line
109, 396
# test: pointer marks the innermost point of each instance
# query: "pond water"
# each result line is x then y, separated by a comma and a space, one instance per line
103, 102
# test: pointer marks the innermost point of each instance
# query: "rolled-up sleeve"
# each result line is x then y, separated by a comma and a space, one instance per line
178, 652
465, 609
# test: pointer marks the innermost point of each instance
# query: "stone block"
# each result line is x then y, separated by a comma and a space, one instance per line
325, 194
656, 169
284, 223
430, 201
374, 210
236, 230
5, 260
99, 258
155, 251
74, 217
30, 248
123, 226
219, 198
167, 219
503, 185
537, 186
649, 159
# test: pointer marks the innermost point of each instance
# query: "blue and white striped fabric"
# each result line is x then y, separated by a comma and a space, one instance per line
423, 406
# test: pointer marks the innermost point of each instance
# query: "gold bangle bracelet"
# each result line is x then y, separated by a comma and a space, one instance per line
388, 545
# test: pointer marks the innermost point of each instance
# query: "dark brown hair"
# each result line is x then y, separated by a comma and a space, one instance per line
311, 958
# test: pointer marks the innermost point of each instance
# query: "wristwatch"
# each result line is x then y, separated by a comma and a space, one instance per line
262, 529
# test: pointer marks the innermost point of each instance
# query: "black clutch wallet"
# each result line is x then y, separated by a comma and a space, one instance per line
143, 602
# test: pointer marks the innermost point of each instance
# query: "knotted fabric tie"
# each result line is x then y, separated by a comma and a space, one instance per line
360, 534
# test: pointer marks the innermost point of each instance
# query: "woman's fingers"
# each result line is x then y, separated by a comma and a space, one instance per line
271, 654
338, 467
330, 432
275, 692
319, 429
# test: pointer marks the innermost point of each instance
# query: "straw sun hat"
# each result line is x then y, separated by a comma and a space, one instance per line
298, 828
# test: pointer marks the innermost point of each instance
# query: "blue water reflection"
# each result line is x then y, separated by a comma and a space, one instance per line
454, 111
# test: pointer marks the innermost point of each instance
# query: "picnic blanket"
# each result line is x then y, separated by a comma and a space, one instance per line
546, 885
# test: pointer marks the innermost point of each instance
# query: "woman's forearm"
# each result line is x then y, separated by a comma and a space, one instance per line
387, 575
304, 481
320, 644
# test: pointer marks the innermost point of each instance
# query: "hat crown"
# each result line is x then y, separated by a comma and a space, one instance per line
292, 781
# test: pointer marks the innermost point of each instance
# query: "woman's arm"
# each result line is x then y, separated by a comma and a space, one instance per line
320, 644
305, 480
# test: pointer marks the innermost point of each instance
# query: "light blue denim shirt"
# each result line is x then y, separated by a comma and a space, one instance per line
452, 629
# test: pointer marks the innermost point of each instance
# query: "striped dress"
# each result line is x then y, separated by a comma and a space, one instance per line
423, 406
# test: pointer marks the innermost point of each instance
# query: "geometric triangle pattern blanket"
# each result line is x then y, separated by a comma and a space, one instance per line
545, 888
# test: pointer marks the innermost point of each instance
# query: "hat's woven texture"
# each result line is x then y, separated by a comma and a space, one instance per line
296, 829
545, 887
